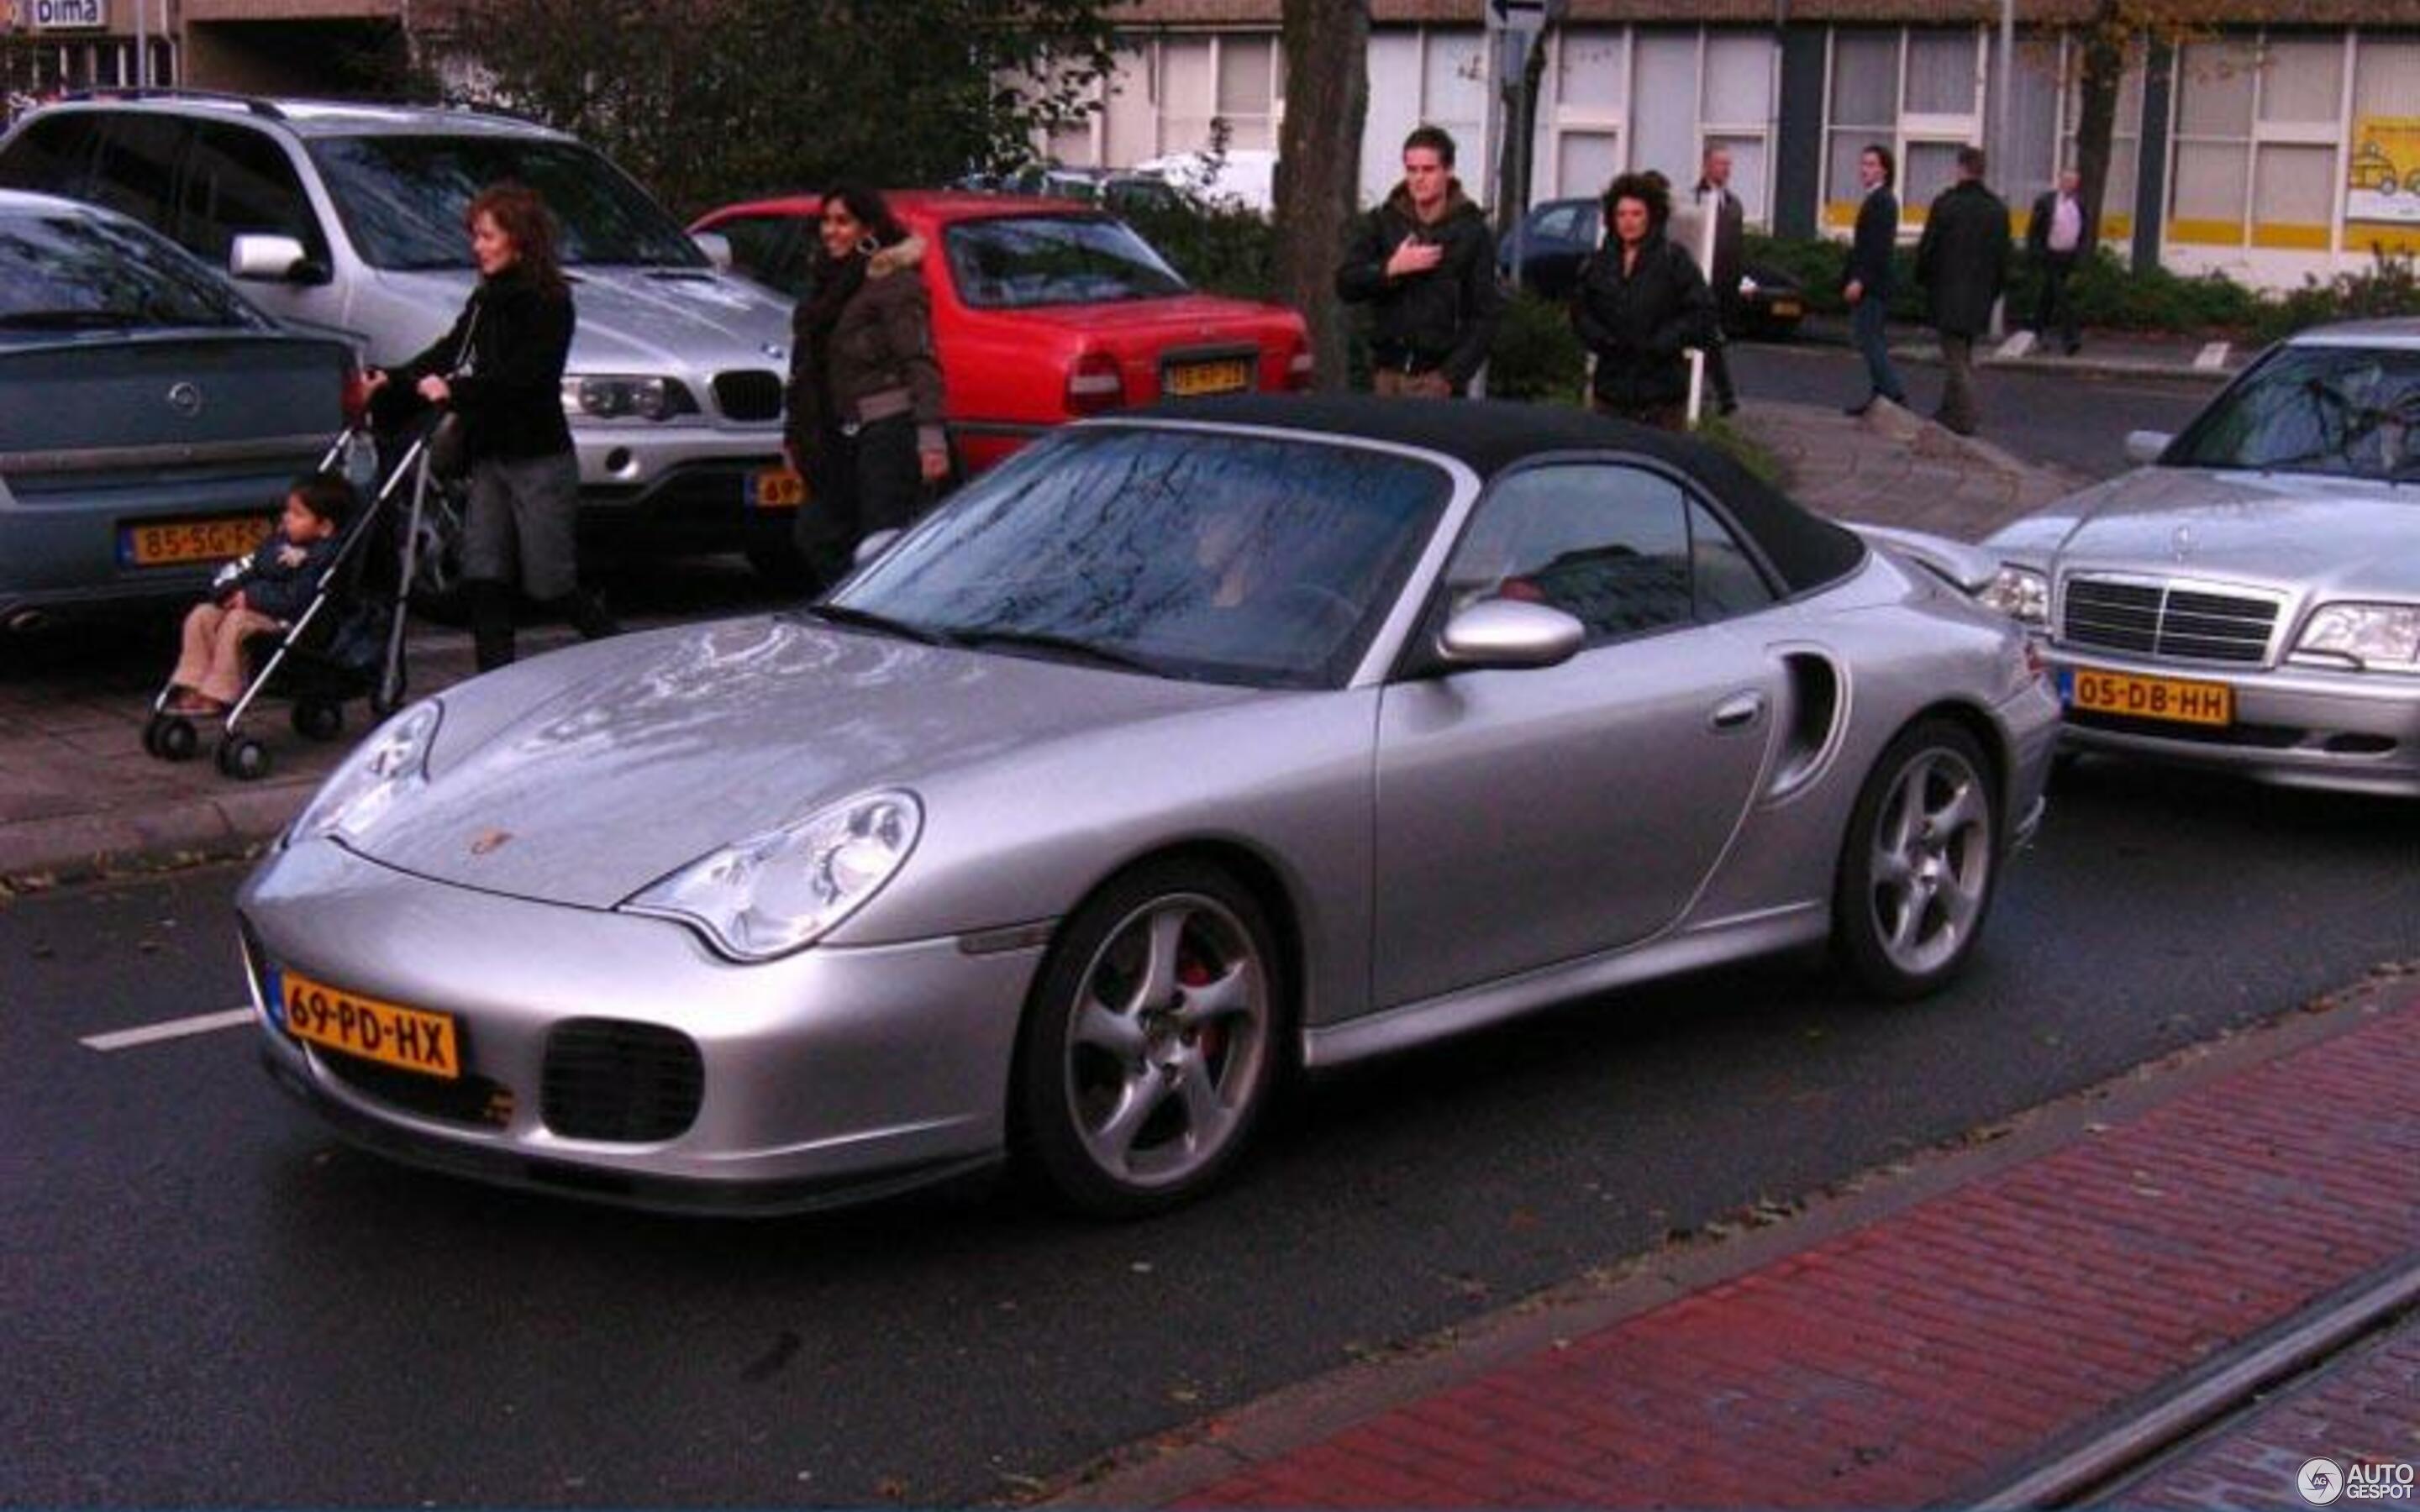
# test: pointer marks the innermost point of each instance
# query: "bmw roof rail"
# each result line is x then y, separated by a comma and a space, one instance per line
251, 103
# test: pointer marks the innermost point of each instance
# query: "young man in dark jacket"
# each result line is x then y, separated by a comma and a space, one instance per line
1962, 262
1865, 283
1425, 264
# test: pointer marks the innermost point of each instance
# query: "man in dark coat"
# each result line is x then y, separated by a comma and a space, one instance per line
1723, 276
1866, 282
2056, 234
1962, 263
1425, 264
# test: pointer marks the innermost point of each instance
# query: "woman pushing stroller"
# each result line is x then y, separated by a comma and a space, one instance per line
500, 371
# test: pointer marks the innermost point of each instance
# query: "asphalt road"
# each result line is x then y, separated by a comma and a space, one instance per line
210, 1301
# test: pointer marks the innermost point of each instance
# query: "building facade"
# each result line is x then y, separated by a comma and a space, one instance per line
2269, 142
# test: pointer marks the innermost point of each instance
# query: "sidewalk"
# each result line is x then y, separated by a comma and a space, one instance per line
1999, 1325
2104, 353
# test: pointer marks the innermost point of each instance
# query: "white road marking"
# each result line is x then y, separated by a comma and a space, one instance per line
172, 1029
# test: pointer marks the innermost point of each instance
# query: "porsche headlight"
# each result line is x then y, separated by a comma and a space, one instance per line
389, 764
783, 889
620, 397
2021, 593
2370, 634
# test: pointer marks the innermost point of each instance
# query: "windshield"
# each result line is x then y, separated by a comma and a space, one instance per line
1216, 557
66, 272
2347, 411
1011, 262
402, 199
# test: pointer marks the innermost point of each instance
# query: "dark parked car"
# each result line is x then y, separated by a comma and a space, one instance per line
151, 419
1559, 236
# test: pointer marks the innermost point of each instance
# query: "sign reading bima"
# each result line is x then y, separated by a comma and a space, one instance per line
66, 15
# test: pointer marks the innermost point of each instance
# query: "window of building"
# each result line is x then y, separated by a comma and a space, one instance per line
1165, 92
1917, 90
2256, 126
1424, 76
1657, 98
2382, 175
1584, 124
2125, 143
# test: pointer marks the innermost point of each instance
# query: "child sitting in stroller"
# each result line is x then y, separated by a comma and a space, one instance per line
260, 592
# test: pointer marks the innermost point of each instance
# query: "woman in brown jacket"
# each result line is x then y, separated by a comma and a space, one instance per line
864, 396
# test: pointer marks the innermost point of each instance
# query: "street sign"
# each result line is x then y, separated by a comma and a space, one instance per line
1521, 15
69, 15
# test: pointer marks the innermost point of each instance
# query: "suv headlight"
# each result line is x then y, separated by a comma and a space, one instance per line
783, 889
389, 764
619, 396
2366, 633
2021, 593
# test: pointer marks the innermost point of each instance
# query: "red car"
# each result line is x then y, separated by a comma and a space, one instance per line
1044, 310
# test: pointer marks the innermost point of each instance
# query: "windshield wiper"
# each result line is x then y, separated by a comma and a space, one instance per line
861, 619
1001, 636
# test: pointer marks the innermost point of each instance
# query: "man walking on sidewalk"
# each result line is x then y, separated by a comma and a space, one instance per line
1865, 283
1425, 263
1722, 274
1963, 264
2056, 234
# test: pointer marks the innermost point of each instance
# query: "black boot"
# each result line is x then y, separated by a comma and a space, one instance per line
491, 623
586, 613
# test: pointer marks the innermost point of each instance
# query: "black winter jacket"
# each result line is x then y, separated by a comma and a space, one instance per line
1639, 324
279, 578
509, 393
1869, 252
1963, 260
1442, 319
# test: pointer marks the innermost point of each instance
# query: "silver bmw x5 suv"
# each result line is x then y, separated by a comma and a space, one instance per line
349, 217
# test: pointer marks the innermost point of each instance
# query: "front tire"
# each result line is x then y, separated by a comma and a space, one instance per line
1149, 1052
1919, 865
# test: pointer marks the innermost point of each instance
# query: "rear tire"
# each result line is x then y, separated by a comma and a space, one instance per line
1919, 865
1150, 1049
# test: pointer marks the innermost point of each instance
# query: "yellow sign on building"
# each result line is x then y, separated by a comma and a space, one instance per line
2382, 174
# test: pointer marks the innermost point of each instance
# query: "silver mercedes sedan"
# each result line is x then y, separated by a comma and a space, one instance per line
2249, 601
1186, 751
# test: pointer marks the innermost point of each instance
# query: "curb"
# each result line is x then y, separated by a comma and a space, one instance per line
1928, 354
45, 853
1165, 1468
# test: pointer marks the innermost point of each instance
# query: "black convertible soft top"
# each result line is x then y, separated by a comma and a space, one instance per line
1491, 436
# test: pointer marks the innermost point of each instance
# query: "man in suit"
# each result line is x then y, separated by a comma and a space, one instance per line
2056, 236
1865, 283
1962, 262
1723, 276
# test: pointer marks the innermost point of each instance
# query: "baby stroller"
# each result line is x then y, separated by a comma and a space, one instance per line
346, 644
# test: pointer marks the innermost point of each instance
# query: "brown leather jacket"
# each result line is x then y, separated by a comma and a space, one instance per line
878, 362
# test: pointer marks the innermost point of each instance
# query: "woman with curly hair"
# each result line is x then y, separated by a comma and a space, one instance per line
1640, 304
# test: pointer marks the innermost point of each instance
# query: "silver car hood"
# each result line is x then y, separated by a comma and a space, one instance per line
2332, 534
583, 775
646, 321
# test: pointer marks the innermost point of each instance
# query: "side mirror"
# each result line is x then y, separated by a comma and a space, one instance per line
717, 248
2142, 447
873, 546
1506, 634
273, 259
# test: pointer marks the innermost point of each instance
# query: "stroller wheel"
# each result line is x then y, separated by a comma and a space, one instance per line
243, 758
318, 719
176, 739
151, 736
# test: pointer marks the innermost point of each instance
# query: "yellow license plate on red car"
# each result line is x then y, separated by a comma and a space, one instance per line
1186, 380
776, 489
411, 1039
169, 542
2173, 699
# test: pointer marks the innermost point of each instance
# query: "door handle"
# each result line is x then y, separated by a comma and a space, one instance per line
1738, 712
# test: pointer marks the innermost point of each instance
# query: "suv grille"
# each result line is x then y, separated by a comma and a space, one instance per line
628, 1083
2161, 619
749, 394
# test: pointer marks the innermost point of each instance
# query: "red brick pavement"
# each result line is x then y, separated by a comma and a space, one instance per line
1927, 1356
2364, 1408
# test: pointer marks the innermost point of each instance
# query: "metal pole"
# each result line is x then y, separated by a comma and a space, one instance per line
2004, 144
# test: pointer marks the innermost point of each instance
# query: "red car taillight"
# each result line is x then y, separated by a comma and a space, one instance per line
1302, 371
1094, 384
